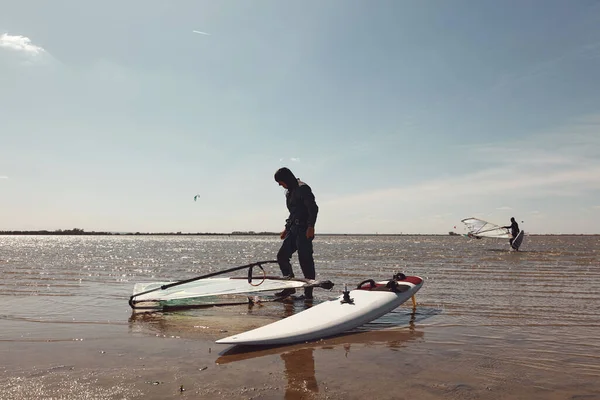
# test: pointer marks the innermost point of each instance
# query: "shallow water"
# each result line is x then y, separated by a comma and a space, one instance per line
485, 316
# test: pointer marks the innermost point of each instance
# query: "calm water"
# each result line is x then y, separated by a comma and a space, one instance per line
536, 310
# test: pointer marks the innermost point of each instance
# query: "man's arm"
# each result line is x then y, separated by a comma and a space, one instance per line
311, 206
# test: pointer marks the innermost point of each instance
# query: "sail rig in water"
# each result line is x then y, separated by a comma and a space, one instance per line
205, 290
479, 228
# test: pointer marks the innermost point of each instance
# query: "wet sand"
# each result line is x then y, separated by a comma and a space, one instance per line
175, 357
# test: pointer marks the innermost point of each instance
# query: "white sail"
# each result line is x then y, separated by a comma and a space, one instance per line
480, 228
211, 287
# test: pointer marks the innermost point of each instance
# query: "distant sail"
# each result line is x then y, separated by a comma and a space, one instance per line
480, 228
196, 197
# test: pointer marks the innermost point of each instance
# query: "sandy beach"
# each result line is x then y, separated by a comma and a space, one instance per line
182, 361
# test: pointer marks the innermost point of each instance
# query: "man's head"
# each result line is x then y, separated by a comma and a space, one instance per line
512, 219
286, 178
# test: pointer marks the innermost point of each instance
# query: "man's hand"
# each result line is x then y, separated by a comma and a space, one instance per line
283, 234
310, 232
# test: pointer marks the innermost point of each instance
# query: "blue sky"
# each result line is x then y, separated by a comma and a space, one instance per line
403, 116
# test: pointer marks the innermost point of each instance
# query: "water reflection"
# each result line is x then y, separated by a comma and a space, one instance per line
300, 373
299, 364
211, 322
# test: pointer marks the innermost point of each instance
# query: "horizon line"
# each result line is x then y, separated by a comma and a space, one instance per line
81, 232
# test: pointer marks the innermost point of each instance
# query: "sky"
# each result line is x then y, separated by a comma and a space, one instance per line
402, 116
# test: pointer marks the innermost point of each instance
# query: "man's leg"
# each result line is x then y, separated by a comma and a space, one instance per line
288, 247
284, 255
307, 262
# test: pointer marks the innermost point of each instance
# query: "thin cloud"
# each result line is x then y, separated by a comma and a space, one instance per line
20, 44
493, 182
562, 163
547, 66
3, 177
504, 208
202, 33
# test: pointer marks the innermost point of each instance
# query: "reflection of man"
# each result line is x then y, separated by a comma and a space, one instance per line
300, 372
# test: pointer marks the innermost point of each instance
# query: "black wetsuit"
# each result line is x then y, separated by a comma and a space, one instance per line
303, 210
514, 231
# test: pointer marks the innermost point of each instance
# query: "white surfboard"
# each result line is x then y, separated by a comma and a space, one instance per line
333, 316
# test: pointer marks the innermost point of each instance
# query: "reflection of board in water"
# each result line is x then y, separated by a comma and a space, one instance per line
395, 337
518, 240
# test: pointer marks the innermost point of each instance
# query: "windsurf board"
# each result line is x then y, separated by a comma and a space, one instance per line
350, 310
518, 240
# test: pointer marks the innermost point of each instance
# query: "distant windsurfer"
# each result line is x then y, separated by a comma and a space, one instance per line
299, 229
514, 230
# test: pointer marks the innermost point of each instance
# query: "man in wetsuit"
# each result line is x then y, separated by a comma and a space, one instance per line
299, 229
514, 229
